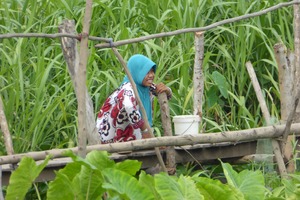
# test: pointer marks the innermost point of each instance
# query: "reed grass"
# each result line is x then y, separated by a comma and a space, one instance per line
39, 99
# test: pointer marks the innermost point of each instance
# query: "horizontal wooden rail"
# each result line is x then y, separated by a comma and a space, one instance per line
275, 131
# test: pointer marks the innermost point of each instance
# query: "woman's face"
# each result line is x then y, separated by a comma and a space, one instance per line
148, 80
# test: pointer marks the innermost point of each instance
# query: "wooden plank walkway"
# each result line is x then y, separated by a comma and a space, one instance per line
202, 153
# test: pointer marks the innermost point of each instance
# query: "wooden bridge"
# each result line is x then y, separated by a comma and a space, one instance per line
207, 148
202, 153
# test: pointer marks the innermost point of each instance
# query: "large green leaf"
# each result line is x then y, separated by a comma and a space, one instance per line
62, 189
171, 188
100, 159
82, 176
215, 190
129, 166
22, 179
147, 181
250, 183
124, 185
90, 183
221, 82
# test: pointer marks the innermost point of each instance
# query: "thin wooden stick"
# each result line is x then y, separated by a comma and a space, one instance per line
267, 116
55, 35
157, 151
153, 36
219, 137
83, 58
201, 29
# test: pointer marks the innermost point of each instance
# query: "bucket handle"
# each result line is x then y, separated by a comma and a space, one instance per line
188, 127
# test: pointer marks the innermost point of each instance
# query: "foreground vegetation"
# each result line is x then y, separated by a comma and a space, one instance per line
98, 177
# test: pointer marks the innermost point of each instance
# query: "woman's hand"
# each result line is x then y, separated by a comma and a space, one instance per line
160, 88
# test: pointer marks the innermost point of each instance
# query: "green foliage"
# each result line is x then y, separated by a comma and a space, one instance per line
97, 176
250, 183
22, 179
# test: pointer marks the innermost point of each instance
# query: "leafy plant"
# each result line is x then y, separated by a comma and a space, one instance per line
97, 176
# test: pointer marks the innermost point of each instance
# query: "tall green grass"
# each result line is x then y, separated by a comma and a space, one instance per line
39, 99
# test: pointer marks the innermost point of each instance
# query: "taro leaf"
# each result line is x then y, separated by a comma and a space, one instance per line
212, 97
147, 181
82, 178
215, 190
171, 188
221, 82
94, 159
100, 159
23, 177
125, 185
90, 183
250, 183
62, 189
71, 169
129, 166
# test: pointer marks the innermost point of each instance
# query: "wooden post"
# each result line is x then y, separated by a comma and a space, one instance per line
71, 55
297, 62
4, 127
167, 126
83, 59
267, 117
7, 139
286, 75
198, 74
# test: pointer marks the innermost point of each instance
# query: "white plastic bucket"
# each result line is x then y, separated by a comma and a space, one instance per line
186, 124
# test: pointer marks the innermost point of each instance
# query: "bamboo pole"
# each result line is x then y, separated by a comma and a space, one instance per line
71, 55
167, 127
83, 58
267, 117
274, 131
157, 151
198, 74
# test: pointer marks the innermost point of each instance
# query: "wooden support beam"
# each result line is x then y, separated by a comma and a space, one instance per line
267, 117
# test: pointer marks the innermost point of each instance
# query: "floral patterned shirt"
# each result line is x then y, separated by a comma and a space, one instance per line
119, 119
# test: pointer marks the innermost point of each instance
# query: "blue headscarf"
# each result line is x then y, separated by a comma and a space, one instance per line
139, 66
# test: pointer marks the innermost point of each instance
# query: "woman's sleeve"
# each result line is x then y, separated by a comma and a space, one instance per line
132, 109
